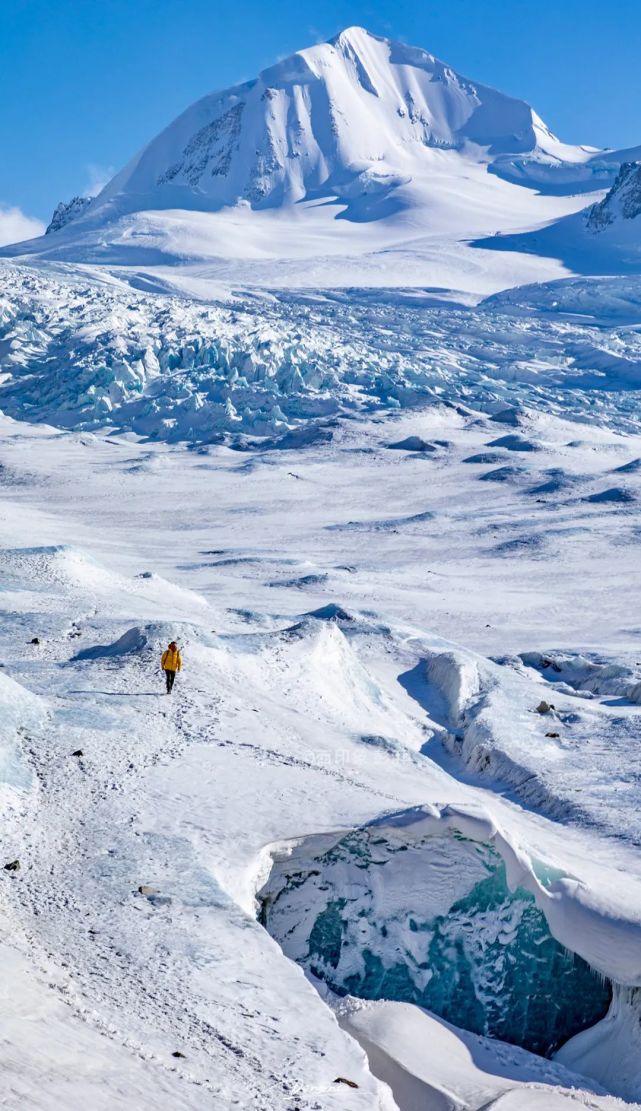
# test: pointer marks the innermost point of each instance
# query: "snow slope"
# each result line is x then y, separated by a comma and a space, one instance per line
605, 238
428, 1064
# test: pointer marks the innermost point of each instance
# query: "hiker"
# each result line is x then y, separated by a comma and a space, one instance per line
171, 662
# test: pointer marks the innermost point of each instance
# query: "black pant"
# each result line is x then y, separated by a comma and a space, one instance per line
170, 676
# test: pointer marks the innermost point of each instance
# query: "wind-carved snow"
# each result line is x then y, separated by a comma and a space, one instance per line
575, 759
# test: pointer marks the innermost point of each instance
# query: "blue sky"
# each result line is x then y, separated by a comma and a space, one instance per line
85, 83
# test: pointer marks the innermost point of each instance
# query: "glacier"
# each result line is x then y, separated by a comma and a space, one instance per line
81, 356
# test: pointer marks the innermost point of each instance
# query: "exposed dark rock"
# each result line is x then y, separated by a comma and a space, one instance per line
622, 202
67, 211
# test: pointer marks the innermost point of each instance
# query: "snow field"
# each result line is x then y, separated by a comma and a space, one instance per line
341, 666
311, 665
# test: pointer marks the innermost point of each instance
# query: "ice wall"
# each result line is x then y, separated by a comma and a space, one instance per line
433, 923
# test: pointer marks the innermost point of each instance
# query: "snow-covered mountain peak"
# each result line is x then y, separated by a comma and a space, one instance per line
315, 122
343, 151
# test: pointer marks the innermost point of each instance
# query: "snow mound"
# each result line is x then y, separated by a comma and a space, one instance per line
385, 524
457, 678
70, 569
413, 443
584, 674
488, 457
515, 443
61, 565
633, 467
329, 680
503, 474
147, 640
559, 482
331, 612
615, 495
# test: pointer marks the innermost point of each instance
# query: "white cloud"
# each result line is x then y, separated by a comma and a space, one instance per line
98, 178
15, 225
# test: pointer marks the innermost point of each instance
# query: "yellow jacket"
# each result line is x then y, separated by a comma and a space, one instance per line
171, 660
